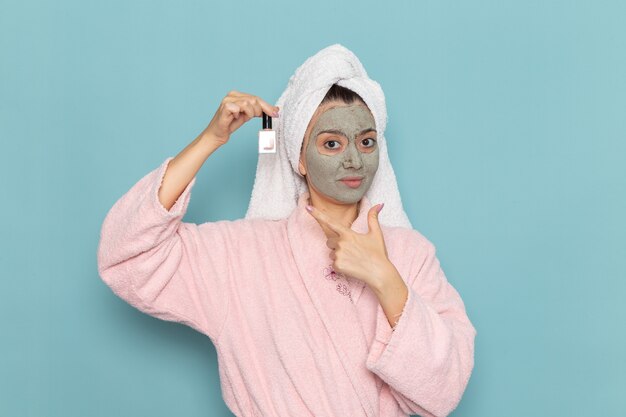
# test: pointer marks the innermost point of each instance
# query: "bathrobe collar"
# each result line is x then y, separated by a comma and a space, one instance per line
330, 297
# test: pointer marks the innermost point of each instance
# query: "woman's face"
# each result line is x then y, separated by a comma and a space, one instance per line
340, 142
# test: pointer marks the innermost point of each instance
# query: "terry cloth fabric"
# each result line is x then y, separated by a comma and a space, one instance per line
292, 337
278, 184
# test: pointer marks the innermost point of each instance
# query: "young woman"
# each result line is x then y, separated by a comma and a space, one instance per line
317, 303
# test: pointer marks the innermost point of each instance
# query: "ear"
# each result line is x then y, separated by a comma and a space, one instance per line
301, 168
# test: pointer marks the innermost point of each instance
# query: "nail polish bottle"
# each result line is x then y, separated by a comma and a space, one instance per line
267, 136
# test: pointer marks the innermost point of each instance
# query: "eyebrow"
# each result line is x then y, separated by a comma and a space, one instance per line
339, 132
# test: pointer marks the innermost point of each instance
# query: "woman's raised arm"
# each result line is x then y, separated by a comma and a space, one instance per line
164, 267
234, 110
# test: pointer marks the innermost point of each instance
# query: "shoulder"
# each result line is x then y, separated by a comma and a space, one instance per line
411, 239
244, 228
407, 247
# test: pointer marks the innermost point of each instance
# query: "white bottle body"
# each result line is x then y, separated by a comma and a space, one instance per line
267, 141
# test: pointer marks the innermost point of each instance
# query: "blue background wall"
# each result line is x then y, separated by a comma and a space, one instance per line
506, 131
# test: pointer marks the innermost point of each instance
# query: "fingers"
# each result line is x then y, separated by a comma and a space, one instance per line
231, 120
236, 109
232, 109
331, 242
248, 108
252, 105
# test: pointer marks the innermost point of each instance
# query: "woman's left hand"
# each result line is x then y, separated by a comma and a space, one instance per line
358, 255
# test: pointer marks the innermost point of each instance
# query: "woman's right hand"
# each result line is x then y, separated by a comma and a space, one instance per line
234, 110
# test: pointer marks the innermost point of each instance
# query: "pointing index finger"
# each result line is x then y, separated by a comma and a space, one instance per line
324, 218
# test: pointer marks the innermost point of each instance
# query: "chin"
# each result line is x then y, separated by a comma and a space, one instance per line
339, 196
346, 200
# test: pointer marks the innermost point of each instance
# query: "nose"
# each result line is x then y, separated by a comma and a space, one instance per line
352, 157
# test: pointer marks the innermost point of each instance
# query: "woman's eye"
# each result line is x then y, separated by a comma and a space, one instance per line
331, 147
370, 142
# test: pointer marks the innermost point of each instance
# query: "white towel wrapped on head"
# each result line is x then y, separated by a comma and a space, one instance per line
278, 183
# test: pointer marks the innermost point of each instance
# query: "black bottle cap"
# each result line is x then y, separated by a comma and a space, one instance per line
267, 121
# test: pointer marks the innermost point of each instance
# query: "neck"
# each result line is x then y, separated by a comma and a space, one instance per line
344, 214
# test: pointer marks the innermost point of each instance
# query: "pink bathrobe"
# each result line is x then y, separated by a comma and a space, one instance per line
293, 338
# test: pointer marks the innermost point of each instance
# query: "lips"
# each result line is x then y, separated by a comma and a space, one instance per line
352, 182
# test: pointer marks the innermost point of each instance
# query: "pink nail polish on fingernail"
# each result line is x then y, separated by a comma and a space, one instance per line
381, 207
309, 208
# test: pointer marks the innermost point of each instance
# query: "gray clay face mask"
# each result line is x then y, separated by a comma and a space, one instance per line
348, 152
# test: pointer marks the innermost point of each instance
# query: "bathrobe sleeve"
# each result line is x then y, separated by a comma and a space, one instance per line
427, 360
166, 268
